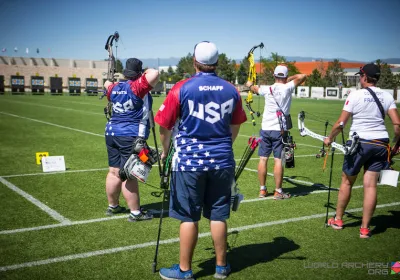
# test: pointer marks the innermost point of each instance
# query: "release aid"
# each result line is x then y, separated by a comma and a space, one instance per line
135, 168
140, 162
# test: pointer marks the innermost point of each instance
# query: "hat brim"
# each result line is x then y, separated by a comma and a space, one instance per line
358, 73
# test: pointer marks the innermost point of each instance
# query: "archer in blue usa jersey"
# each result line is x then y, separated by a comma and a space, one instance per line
201, 110
131, 104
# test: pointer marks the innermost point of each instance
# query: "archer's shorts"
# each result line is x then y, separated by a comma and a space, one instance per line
370, 156
270, 141
119, 149
201, 191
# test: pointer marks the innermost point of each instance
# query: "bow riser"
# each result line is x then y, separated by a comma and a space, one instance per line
306, 132
252, 77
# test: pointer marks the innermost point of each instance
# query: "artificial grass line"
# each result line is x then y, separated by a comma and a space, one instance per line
52, 213
172, 240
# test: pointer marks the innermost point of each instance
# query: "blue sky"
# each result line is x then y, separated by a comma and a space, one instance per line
352, 29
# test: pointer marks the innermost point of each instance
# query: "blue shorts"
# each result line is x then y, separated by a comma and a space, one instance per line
195, 192
119, 149
368, 155
270, 141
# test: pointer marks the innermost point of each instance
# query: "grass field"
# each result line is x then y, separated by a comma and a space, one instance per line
53, 226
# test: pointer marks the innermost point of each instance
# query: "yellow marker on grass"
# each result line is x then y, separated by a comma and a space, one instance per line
39, 156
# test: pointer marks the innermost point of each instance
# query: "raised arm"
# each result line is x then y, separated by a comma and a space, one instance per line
298, 79
151, 76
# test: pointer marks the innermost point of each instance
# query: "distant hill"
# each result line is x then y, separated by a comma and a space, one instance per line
155, 62
172, 61
392, 60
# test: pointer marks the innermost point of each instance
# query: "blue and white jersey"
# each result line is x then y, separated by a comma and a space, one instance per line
130, 108
201, 110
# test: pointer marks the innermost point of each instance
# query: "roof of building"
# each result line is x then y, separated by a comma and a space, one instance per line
309, 66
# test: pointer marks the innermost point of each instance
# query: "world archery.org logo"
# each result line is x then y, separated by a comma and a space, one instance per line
395, 267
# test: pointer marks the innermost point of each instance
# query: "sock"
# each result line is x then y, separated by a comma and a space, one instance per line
113, 206
135, 212
262, 188
279, 190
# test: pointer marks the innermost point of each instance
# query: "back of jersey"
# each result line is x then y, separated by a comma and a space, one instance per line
129, 112
204, 135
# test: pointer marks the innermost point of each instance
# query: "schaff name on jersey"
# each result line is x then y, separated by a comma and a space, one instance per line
211, 88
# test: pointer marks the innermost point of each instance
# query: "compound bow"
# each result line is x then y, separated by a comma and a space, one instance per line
252, 77
347, 150
111, 69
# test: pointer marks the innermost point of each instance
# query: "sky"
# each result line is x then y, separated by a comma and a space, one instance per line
351, 29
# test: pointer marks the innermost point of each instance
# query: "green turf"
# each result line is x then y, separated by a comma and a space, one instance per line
267, 242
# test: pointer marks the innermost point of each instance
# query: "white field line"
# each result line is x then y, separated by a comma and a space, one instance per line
102, 169
53, 124
55, 215
172, 240
13, 231
55, 107
101, 135
53, 173
78, 102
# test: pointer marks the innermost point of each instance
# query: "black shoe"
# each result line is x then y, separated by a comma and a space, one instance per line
142, 216
117, 210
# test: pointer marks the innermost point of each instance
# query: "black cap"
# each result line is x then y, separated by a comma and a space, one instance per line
371, 70
133, 68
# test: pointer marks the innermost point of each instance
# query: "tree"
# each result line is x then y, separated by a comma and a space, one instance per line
226, 68
185, 65
269, 64
243, 71
118, 66
170, 71
386, 79
163, 76
315, 79
334, 74
242, 74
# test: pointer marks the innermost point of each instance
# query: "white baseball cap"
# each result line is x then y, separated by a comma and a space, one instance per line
206, 53
281, 71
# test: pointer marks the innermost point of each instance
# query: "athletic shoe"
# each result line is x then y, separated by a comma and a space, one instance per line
221, 272
117, 210
263, 193
365, 233
174, 272
280, 196
336, 224
142, 216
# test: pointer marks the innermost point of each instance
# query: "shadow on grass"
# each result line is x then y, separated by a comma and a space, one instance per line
252, 254
155, 208
301, 189
381, 222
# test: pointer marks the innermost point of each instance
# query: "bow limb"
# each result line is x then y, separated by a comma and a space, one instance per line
304, 131
252, 77
111, 59
167, 167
